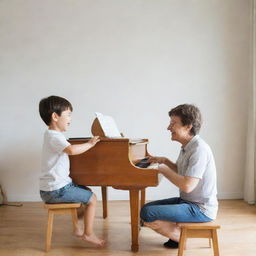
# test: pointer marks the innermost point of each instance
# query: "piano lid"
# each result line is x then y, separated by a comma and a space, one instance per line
105, 139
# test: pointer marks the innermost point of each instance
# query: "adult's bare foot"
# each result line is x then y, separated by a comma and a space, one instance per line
93, 239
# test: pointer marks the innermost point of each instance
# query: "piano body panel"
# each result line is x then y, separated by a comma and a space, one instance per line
110, 163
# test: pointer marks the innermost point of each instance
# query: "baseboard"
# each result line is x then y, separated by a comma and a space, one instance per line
23, 198
121, 195
234, 195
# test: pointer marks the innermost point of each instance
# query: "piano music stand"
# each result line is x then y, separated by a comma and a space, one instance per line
96, 128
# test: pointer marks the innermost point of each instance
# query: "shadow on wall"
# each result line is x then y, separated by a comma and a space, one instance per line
20, 170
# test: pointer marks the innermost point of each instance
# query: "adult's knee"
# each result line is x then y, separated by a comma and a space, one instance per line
146, 214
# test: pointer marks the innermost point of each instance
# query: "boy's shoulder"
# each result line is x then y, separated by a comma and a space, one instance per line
55, 140
53, 134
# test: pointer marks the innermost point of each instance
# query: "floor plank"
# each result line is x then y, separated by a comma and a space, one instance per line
22, 233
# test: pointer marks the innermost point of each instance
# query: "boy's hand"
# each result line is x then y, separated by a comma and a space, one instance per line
77, 149
93, 141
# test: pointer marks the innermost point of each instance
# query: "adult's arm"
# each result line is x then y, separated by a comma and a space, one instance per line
185, 183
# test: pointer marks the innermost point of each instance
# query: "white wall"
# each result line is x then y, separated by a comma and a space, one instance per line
133, 60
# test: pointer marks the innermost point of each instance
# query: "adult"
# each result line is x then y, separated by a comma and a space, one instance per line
194, 173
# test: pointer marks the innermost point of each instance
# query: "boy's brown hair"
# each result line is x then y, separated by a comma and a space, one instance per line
53, 104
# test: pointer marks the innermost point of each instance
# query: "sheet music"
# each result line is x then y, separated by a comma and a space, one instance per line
108, 125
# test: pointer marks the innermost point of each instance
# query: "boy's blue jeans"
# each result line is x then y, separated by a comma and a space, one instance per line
71, 193
173, 210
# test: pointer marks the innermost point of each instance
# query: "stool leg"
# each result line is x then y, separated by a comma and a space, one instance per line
182, 242
74, 219
49, 230
210, 244
215, 242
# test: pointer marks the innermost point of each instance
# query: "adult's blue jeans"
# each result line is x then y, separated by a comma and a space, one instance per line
173, 210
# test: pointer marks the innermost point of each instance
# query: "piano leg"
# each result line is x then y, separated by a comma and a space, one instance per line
134, 208
104, 194
142, 201
142, 197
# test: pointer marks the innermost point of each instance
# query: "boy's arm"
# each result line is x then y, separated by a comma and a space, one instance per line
81, 148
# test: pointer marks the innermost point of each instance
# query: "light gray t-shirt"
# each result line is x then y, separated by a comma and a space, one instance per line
196, 160
55, 163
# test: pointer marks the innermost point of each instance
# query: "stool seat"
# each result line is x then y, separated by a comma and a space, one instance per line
199, 225
59, 209
199, 230
62, 206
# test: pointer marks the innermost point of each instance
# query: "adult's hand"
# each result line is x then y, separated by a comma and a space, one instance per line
157, 159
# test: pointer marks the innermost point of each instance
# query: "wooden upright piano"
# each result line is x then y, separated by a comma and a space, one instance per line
112, 163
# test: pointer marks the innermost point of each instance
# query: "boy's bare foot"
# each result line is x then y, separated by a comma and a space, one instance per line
93, 239
78, 232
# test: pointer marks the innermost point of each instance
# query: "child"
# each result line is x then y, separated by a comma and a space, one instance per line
55, 184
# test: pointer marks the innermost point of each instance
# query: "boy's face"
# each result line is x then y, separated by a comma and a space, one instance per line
61, 123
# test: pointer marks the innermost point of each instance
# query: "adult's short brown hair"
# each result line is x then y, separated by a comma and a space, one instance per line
189, 115
53, 104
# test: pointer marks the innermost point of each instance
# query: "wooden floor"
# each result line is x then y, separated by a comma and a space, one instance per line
22, 233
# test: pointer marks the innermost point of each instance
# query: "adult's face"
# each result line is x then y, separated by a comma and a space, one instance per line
179, 132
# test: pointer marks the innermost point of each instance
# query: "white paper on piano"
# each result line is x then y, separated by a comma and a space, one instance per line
108, 125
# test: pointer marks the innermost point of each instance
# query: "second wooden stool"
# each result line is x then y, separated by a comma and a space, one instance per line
198, 230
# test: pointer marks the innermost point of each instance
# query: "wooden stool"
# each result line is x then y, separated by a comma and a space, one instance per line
59, 209
198, 230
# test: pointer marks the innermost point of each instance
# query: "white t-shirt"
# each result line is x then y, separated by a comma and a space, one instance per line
55, 163
196, 160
